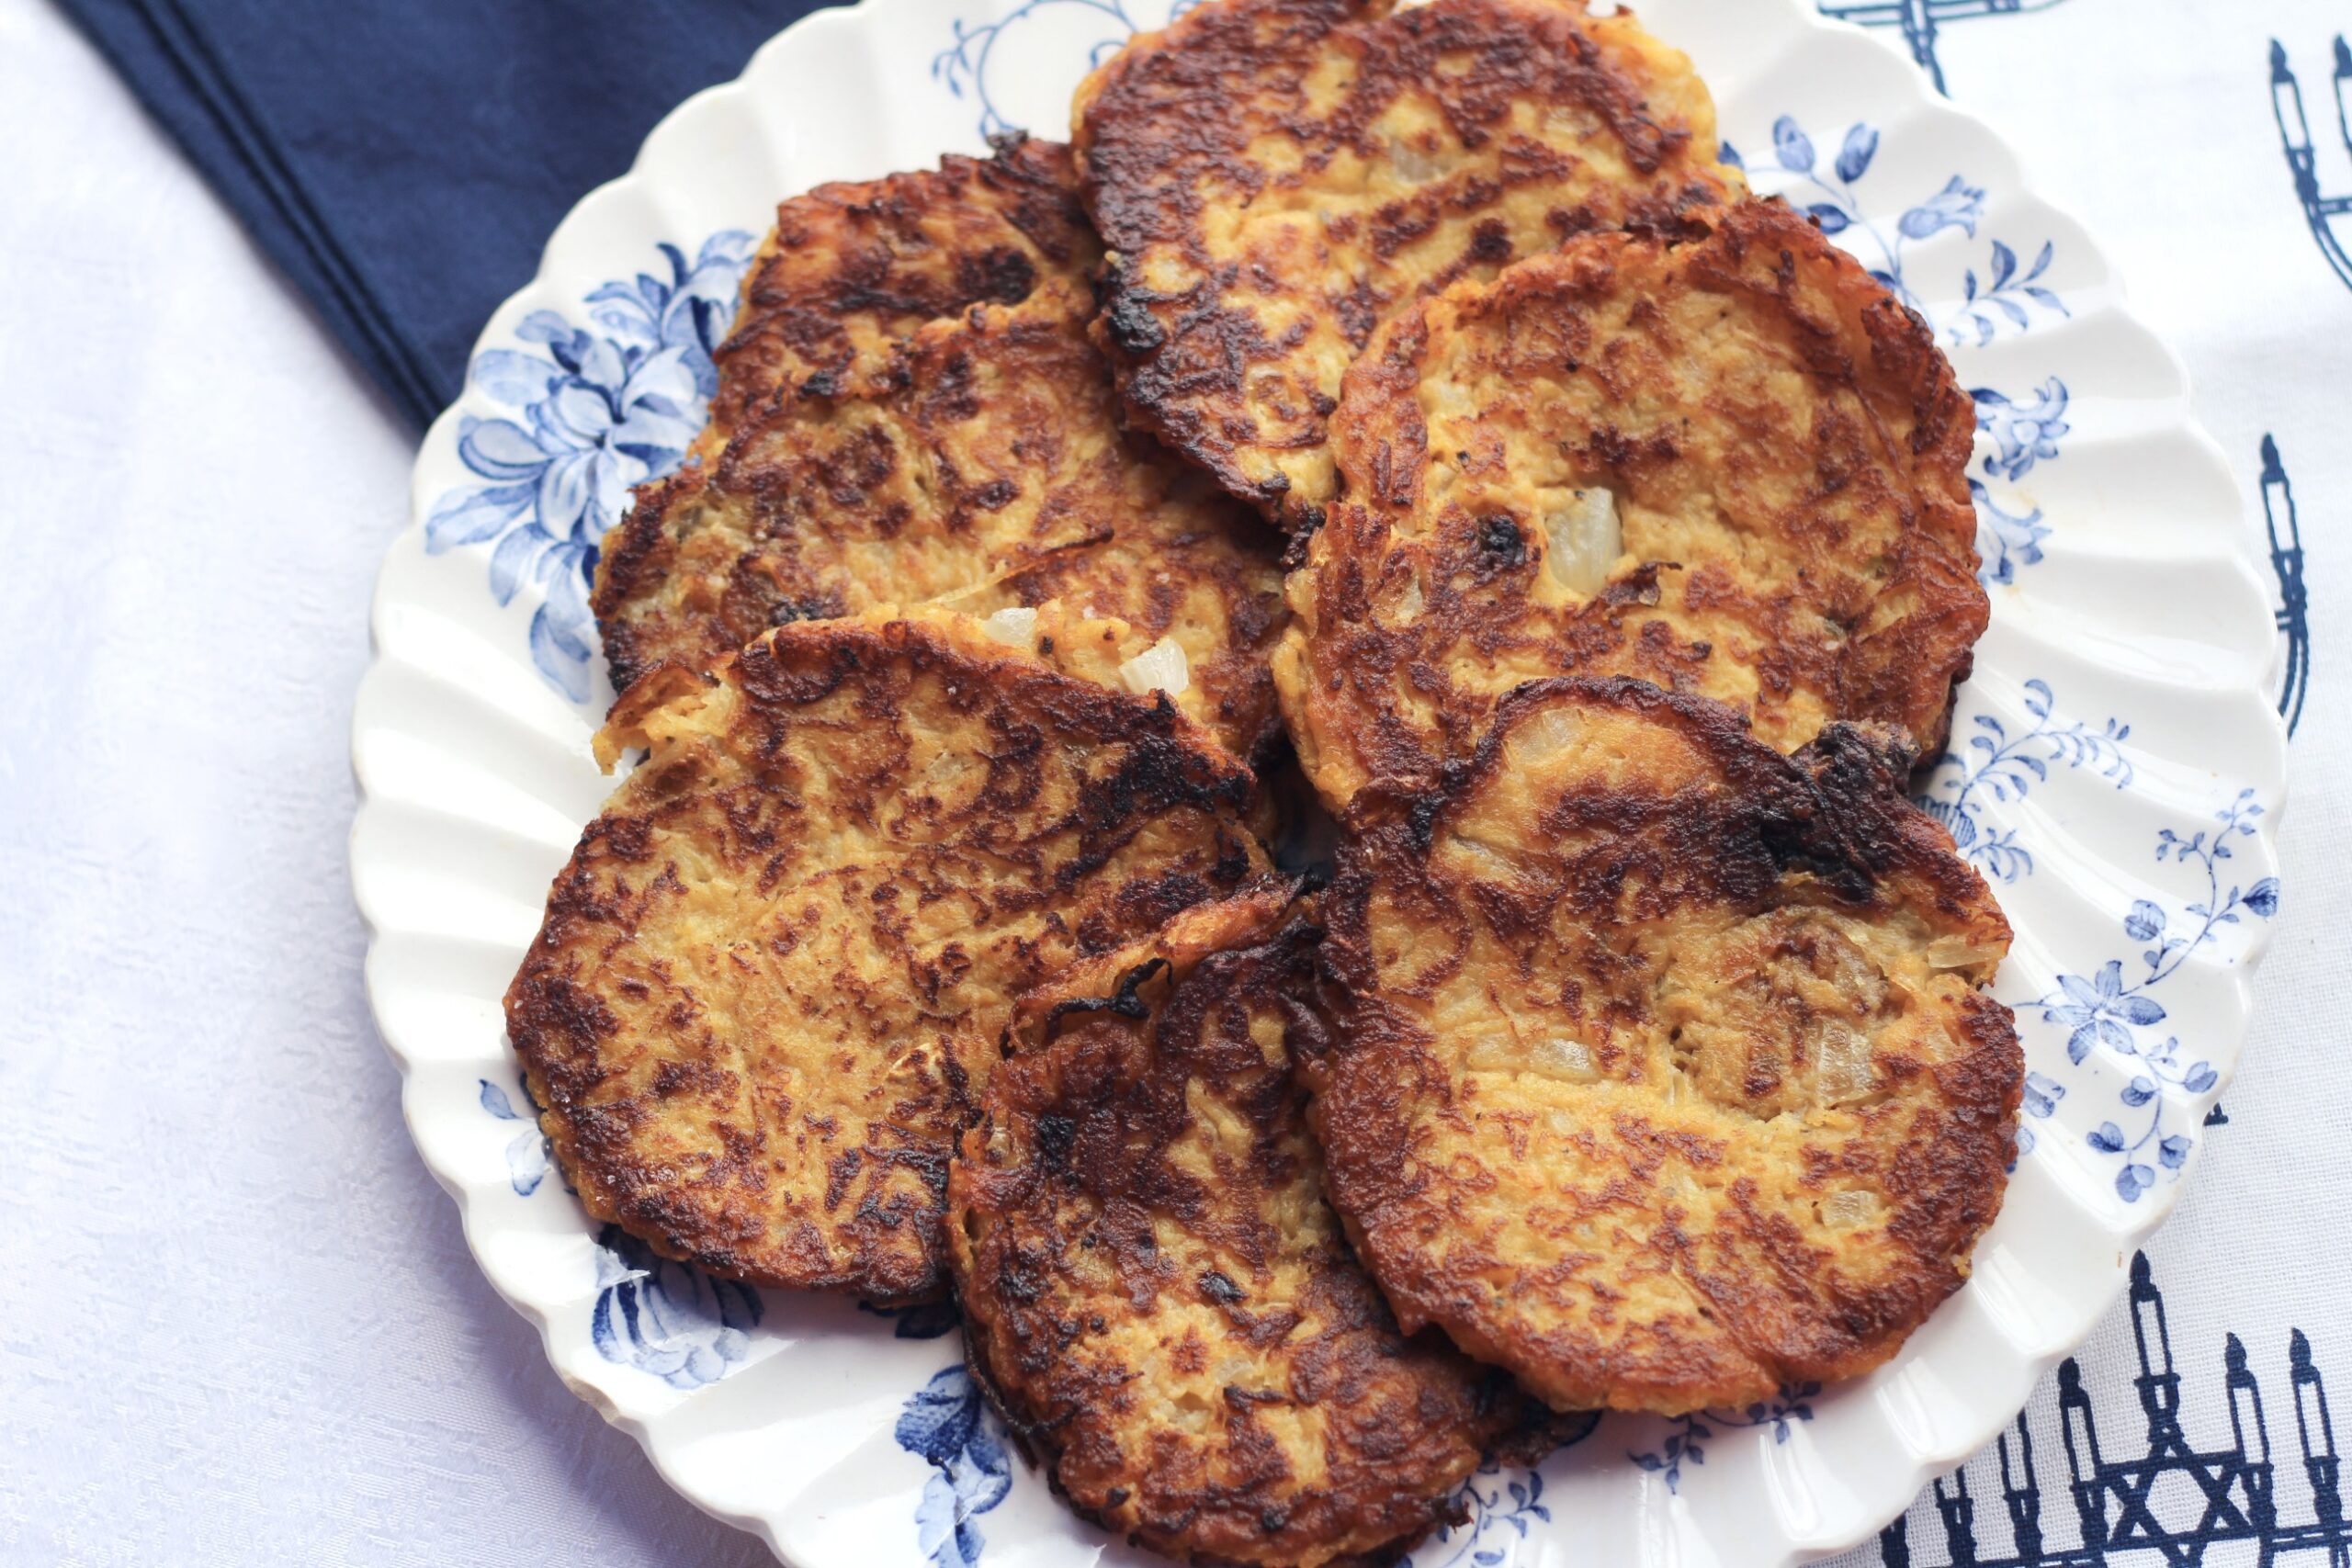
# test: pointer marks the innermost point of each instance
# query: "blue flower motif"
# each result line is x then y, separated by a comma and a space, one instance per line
2043, 1094
1957, 206
946, 1424
2006, 540
666, 1319
527, 1156
2026, 432
595, 413
2100, 1011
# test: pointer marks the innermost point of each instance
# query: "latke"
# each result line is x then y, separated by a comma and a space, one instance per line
1275, 178
772, 976
1732, 467
1660, 1074
1155, 1293
911, 413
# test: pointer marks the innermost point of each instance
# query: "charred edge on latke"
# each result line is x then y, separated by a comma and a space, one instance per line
1808, 560
1778, 1190
1504, 126
1137, 1225
777, 816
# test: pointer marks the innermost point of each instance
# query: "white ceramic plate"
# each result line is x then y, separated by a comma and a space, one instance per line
2116, 768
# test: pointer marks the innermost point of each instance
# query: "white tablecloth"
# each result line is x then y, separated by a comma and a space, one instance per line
238, 1323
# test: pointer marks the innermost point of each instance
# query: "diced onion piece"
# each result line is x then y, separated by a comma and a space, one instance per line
1560, 1058
1959, 953
1585, 540
1842, 1061
1410, 164
1162, 667
1545, 738
1854, 1206
1012, 625
1569, 1060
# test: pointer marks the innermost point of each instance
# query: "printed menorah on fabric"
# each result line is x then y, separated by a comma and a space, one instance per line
2295, 135
2294, 600
1920, 20
2170, 1502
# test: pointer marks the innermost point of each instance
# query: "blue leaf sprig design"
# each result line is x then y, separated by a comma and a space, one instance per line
2116, 1007
1995, 768
979, 57
1501, 1504
1687, 1436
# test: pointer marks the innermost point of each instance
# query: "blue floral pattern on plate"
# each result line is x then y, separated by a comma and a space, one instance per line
947, 1425
1995, 768
666, 1319
1498, 1504
1502, 1504
2115, 1008
969, 62
595, 410
2002, 297
1687, 1436
2006, 295
527, 1155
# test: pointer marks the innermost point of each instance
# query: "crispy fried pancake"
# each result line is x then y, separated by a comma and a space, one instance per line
1275, 178
771, 978
1732, 467
1156, 1293
851, 270
990, 476
987, 473
1660, 1073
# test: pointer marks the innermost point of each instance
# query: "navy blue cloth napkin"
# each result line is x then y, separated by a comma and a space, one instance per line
403, 161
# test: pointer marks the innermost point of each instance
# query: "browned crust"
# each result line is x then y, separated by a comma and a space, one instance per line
852, 270
1825, 558
1156, 1295
770, 980
1638, 1229
1535, 122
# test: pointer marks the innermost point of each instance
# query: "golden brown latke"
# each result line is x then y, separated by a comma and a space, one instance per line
771, 979
851, 270
987, 473
1660, 1074
1155, 1293
1732, 467
1275, 178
